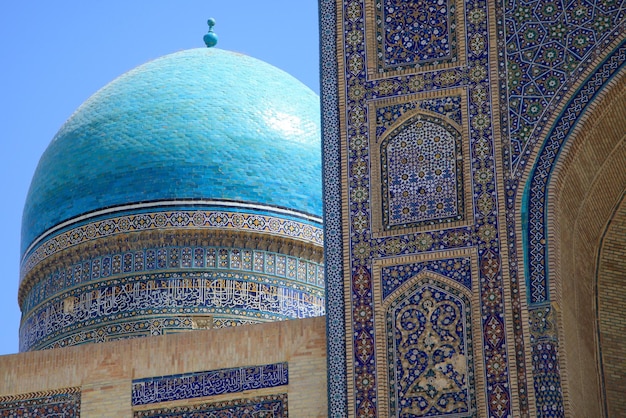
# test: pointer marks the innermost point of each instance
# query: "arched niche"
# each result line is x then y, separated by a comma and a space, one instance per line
430, 347
584, 190
421, 165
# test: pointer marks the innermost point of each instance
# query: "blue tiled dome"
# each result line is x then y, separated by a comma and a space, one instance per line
197, 124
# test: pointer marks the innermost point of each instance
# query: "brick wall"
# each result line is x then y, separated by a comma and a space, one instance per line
587, 184
105, 371
612, 312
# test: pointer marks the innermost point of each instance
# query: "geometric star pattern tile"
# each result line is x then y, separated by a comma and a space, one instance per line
547, 43
421, 176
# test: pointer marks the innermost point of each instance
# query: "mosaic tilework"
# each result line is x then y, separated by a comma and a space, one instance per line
177, 258
430, 370
333, 213
548, 44
537, 278
458, 269
62, 403
361, 247
184, 219
154, 297
524, 51
545, 362
537, 200
415, 33
208, 383
542, 72
422, 174
274, 406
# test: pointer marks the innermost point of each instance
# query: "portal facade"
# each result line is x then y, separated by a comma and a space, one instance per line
469, 144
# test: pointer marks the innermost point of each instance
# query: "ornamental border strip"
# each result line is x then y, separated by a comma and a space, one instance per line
333, 213
226, 409
183, 219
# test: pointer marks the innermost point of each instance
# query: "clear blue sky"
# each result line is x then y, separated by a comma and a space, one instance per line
57, 54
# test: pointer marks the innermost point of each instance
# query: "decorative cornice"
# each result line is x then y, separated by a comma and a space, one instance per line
42, 267
188, 220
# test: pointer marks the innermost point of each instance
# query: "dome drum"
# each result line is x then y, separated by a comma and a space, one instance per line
170, 279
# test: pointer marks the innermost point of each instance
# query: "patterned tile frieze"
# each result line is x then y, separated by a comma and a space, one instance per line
361, 247
427, 241
274, 406
208, 383
62, 403
430, 353
153, 325
173, 258
415, 34
286, 228
224, 295
433, 81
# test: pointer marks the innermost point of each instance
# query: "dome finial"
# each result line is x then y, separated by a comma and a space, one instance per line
210, 39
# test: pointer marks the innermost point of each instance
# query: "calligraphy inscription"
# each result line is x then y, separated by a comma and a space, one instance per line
208, 383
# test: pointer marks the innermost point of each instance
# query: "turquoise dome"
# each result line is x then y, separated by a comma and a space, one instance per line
197, 124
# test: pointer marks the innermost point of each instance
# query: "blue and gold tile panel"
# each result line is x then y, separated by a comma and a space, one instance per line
448, 106
420, 164
545, 361
274, 406
417, 34
61, 403
426, 331
208, 383
458, 269
430, 353
422, 174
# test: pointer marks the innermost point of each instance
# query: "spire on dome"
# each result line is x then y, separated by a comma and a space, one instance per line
210, 39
